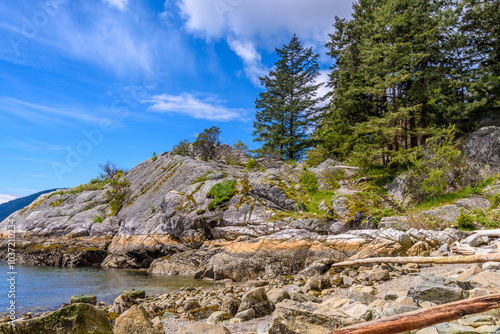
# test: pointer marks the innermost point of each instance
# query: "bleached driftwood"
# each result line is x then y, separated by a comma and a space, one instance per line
494, 257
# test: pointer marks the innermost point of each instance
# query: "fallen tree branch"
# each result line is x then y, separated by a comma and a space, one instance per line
424, 317
488, 233
493, 257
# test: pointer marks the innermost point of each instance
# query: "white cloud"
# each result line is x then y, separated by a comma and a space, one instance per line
208, 108
262, 24
251, 59
7, 197
119, 4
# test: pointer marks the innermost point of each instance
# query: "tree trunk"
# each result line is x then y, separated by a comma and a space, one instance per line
424, 317
494, 257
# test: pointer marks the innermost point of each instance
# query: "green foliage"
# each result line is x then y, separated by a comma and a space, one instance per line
207, 142
152, 208
437, 167
202, 178
200, 211
309, 181
378, 213
57, 202
465, 221
489, 219
98, 219
287, 109
221, 192
251, 164
182, 148
333, 177
118, 194
316, 156
154, 157
494, 201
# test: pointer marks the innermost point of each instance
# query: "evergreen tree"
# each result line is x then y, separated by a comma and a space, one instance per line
390, 80
287, 109
207, 142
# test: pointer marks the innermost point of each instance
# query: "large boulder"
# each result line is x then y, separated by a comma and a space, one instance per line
134, 321
307, 318
80, 318
438, 290
203, 329
257, 300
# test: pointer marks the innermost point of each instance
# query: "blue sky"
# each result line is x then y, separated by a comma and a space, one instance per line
83, 82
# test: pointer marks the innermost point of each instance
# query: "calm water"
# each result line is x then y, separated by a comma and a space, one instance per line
46, 288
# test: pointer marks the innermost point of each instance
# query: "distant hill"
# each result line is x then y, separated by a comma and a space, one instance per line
17, 204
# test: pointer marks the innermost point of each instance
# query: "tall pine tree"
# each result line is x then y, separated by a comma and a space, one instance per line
287, 110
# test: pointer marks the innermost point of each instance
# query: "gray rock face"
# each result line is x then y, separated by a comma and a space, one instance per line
436, 289
483, 147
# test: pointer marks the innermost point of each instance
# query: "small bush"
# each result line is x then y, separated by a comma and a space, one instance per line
183, 148
316, 156
221, 192
251, 164
200, 212
152, 208
465, 221
154, 157
309, 181
98, 219
495, 201
118, 194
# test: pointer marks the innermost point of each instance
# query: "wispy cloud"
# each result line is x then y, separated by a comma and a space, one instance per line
33, 145
7, 198
39, 113
209, 108
119, 4
252, 60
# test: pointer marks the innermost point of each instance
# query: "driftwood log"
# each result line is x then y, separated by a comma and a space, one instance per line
493, 257
425, 317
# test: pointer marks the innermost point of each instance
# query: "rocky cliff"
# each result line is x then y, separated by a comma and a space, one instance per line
173, 221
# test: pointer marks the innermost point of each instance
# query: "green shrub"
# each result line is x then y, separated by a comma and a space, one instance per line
98, 219
183, 148
251, 164
152, 208
309, 181
118, 194
316, 156
494, 201
200, 212
334, 177
154, 157
221, 192
465, 221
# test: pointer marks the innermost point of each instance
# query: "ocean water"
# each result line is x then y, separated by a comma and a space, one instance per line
38, 289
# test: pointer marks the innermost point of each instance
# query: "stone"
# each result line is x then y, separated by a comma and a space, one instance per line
307, 318
436, 289
316, 268
230, 305
277, 295
378, 275
477, 320
79, 318
491, 266
359, 311
395, 222
218, 317
203, 329
486, 279
121, 304
489, 329
134, 321
257, 300
397, 310
361, 296
246, 315
89, 299
200, 313
483, 147
191, 304
421, 248
467, 275
302, 297
317, 283
451, 328
398, 236
428, 330
473, 240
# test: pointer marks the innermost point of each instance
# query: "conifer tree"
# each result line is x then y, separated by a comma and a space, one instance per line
287, 110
